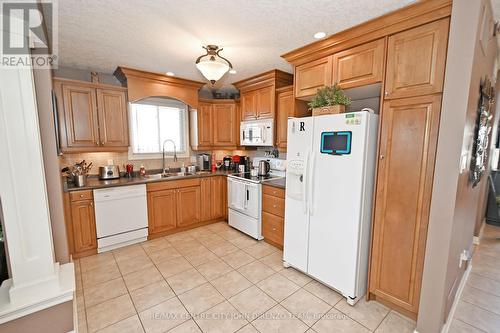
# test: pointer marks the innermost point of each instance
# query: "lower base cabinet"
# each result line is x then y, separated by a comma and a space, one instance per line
162, 211
182, 204
273, 215
80, 223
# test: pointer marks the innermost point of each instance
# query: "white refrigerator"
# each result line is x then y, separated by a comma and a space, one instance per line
329, 185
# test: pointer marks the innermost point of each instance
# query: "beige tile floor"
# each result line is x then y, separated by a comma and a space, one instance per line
479, 307
214, 279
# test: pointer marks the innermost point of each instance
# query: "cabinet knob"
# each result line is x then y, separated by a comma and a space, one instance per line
81, 195
274, 229
386, 93
274, 206
382, 156
91, 204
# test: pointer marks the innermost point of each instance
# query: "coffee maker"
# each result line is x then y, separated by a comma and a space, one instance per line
203, 161
245, 161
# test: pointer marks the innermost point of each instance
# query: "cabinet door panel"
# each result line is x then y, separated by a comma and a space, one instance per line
284, 110
224, 122
272, 228
265, 102
312, 76
162, 211
188, 205
248, 105
206, 199
404, 183
84, 229
416, 60
217, 198
80, 115
113, 123
360, 65
205, 124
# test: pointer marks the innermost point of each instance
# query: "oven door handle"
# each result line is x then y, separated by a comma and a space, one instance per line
247, 196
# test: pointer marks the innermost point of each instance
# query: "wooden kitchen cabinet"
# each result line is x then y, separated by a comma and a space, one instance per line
416, 60
258, 94
80, 116
188, 205
205, 124
217, 125
162, 211
409, 131
249, 105
213, 201
265, 103
92, 117
113, 123
312, 76
360, 65
179, 205
287, 106
224, 127
80, 223
273, 215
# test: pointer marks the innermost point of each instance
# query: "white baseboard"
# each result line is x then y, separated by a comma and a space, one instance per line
460, 289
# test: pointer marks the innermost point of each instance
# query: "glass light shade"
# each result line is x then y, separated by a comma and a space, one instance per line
212, 70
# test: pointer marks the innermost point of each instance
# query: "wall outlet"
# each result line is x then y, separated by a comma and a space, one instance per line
465, 256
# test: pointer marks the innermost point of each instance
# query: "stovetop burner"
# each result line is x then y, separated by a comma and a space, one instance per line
255, 179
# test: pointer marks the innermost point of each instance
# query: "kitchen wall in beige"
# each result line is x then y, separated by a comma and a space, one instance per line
472, 53
43, 89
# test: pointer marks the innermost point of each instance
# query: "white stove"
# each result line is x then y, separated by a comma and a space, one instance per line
245, 197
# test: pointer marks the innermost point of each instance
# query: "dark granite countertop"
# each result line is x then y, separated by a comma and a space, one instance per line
279, 183
93, 182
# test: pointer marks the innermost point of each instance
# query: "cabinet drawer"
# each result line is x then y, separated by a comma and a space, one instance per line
272, 228
170, 184
273, 205
274, 191
81, 195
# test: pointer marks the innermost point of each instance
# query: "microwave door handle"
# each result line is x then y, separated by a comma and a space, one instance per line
264, 132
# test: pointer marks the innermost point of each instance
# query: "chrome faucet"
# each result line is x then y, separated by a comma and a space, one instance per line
163, 155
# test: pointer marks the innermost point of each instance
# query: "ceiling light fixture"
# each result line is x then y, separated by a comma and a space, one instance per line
170, 74
212, 65
320, 35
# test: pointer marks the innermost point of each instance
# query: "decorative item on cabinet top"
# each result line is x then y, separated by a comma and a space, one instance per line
92, 117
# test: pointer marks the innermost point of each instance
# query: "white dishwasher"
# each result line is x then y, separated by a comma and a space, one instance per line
121, 216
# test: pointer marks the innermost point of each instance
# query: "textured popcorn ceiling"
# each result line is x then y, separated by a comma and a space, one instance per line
167, 35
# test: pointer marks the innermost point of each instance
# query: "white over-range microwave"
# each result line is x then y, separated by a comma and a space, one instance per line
257, 133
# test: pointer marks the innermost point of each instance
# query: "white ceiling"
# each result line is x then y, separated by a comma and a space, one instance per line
167, 35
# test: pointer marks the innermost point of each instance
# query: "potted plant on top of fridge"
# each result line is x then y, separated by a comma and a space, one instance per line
329, 100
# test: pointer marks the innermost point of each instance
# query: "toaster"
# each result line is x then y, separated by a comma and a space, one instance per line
109, 172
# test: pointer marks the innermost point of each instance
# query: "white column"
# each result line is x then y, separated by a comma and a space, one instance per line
36, 281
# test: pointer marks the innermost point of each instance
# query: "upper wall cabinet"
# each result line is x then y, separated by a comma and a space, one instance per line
258, 94
415, 60
312, 76
215, 125
360, 65
287, 106
92, 117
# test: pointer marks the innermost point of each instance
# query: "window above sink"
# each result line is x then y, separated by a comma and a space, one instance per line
152, 121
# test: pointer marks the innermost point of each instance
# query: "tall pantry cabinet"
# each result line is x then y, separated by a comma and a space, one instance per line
408, 140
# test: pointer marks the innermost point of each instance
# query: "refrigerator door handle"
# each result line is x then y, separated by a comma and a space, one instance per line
305, 184
311, 185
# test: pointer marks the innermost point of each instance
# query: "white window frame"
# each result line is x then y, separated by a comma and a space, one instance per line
169, 152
